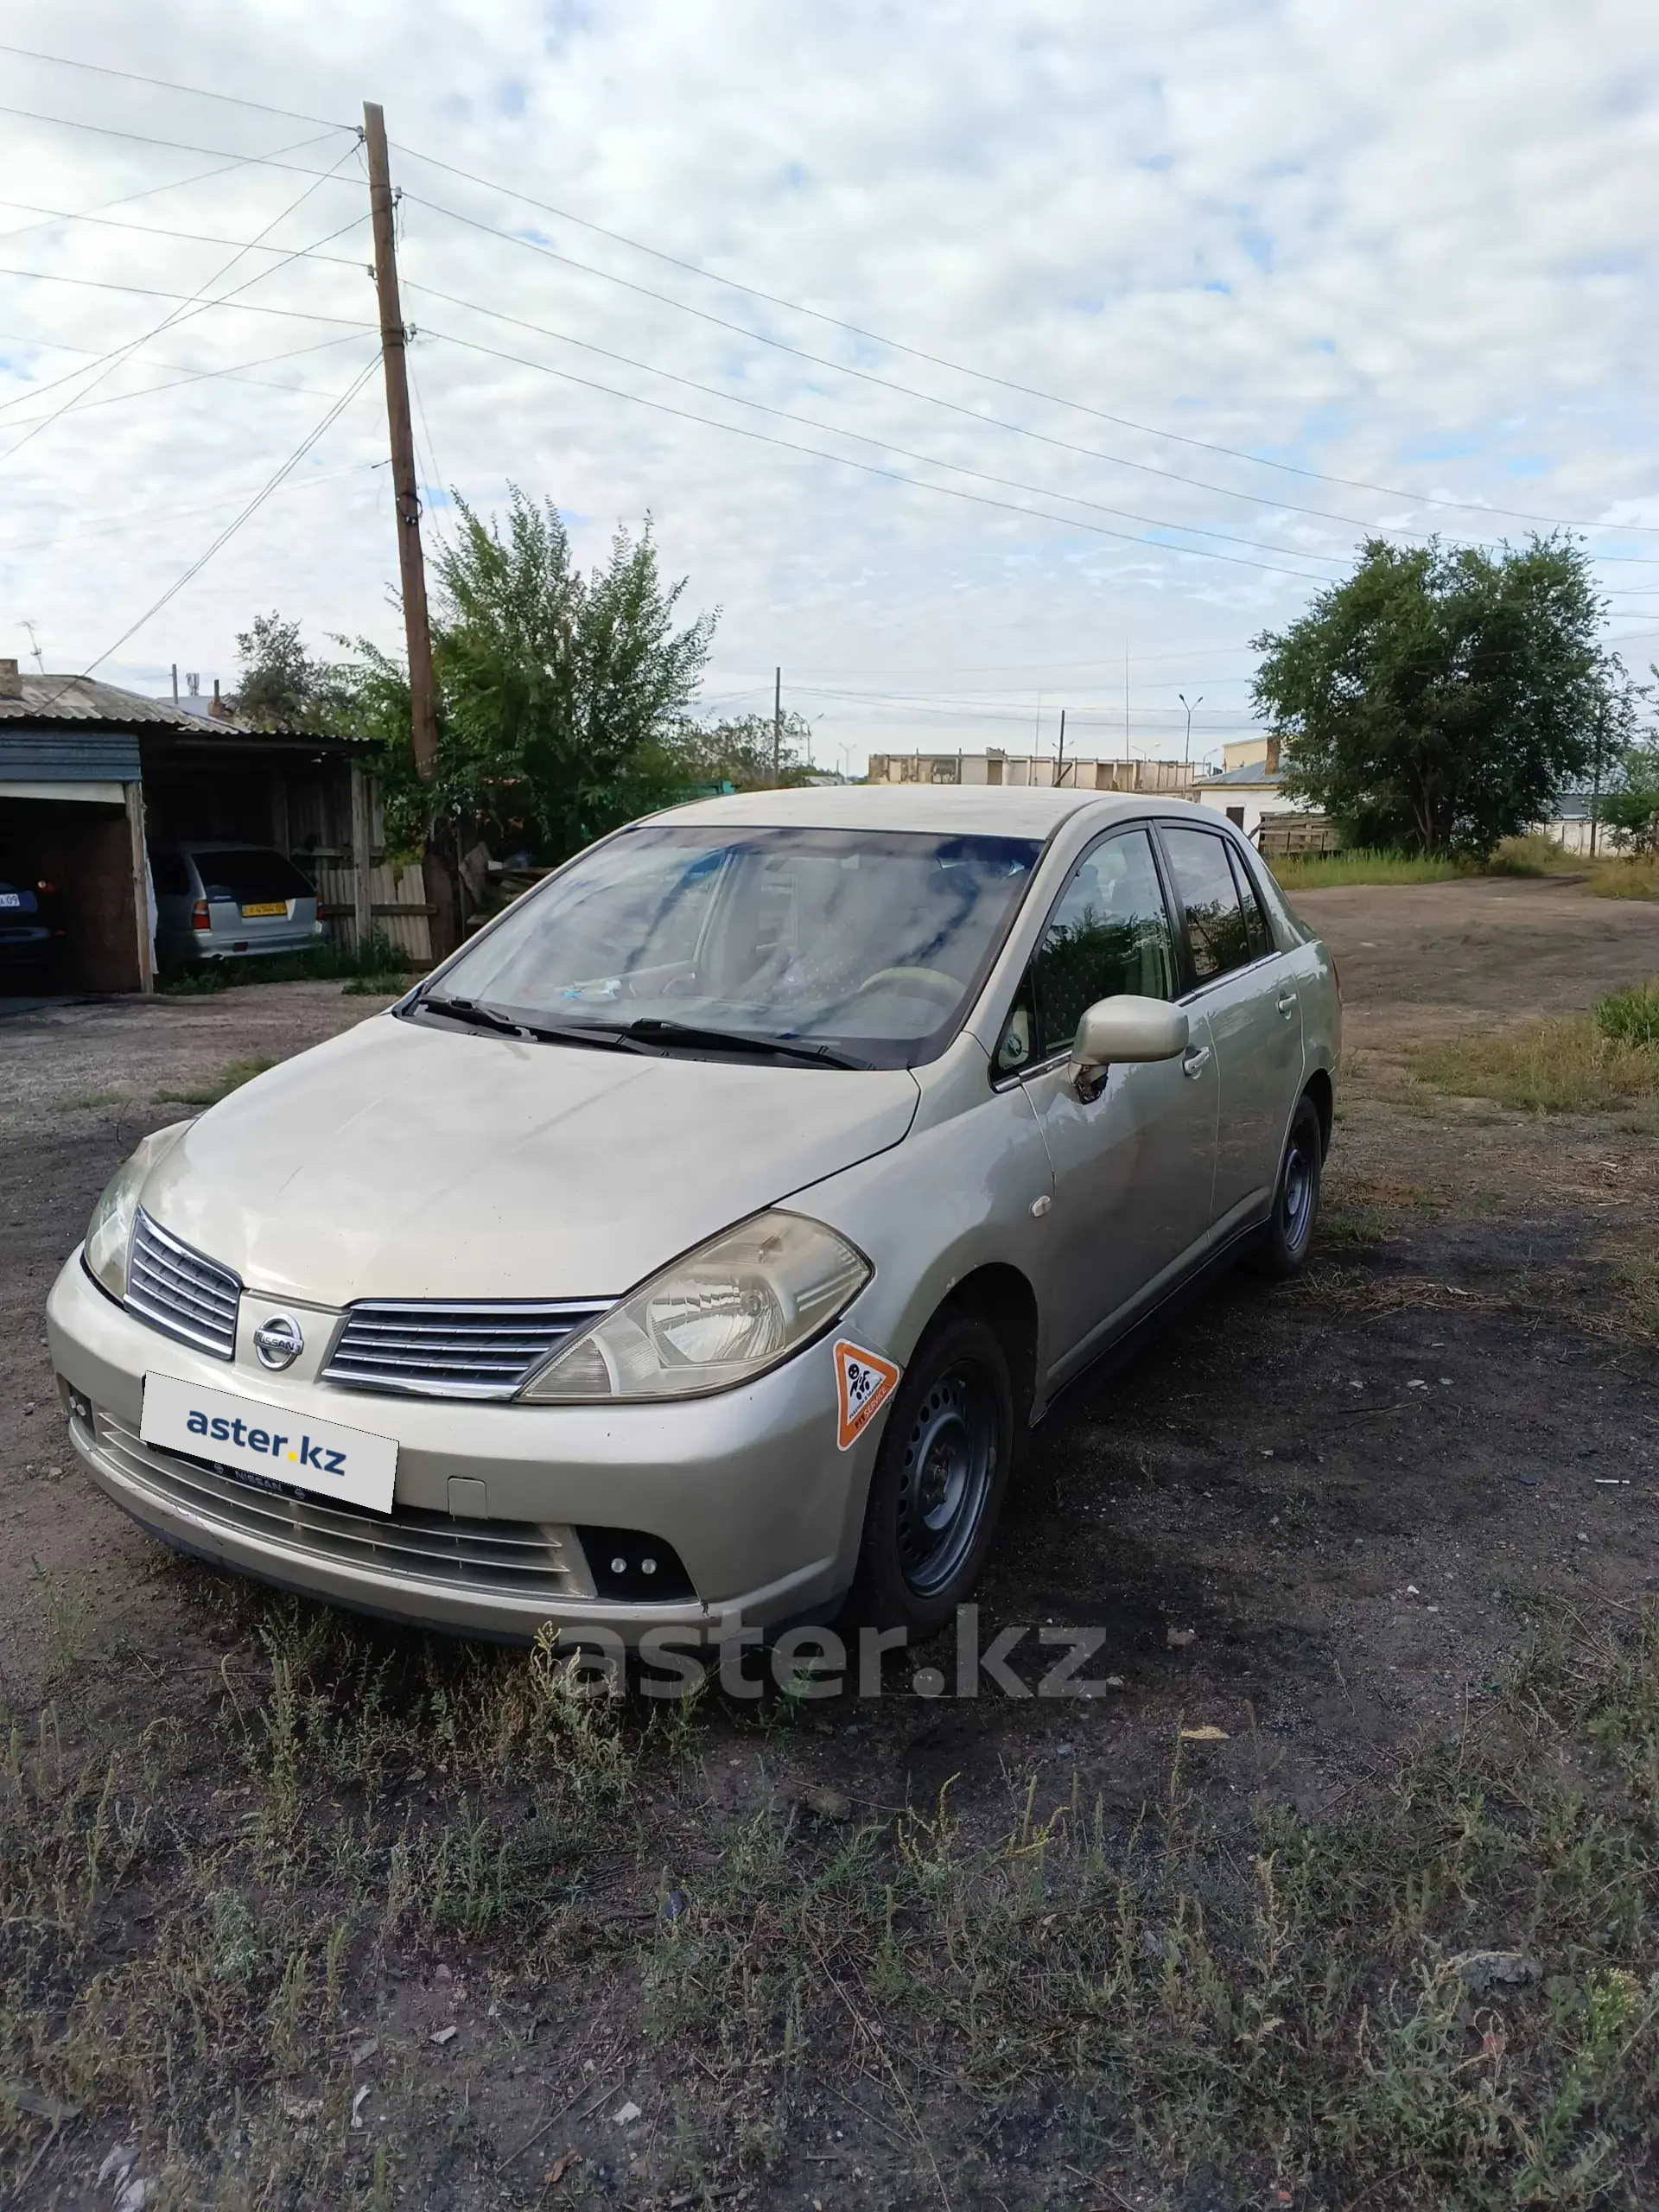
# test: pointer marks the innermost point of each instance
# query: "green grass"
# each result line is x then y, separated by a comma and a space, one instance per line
229, 1078
1630, 1016
1634, 877
1561, 1066
1331, 871
1532, 855
1447, 1996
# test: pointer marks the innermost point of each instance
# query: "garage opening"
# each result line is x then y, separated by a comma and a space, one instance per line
72, 910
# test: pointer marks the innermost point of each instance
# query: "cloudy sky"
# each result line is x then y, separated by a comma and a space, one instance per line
961, 354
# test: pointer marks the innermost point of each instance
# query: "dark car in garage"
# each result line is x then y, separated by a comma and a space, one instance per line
30, 934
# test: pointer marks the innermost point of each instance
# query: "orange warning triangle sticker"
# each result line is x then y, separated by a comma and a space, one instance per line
864, 1383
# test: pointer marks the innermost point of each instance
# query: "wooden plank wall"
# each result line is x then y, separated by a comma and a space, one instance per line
320, 833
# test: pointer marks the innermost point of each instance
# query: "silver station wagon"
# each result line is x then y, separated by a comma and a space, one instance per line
702, 1243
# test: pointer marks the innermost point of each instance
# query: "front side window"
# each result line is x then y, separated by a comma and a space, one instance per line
1217, 934
867, 943
1108, 934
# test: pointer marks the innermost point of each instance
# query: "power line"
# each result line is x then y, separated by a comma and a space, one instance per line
186, 369
132, 519
166, 84
191, 238
176, 145
236, 374
886, 445
153, 292
869, 468
888, 383
335, 411
176, 184
936, 360
198, 301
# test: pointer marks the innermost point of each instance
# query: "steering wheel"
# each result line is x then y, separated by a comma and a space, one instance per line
931, 981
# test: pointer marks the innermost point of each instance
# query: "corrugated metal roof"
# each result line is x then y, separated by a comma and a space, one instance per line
83, 699
60, 699
1255, 772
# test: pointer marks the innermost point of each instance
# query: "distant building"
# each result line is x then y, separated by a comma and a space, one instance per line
1172, 778
1248, 786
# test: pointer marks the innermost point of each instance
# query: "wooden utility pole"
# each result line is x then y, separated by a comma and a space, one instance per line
1059, 755
777, 727
411, 567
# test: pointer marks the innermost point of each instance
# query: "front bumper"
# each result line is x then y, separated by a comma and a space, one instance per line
746, 1486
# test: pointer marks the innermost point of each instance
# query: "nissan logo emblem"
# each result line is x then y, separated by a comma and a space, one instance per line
278, 1341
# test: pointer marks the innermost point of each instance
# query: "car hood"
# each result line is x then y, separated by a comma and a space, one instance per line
406, 1161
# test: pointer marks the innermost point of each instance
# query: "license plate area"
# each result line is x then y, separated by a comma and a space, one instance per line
263, 909
270, 1447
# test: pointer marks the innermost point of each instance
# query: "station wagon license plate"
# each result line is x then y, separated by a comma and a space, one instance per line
265, 907
273, 1446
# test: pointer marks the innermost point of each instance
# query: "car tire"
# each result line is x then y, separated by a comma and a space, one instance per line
1288, 1237
941, 1474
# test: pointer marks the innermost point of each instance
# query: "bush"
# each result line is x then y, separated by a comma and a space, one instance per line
1631, 1016
1533, 855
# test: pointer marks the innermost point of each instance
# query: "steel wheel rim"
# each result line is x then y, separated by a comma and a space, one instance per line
1298, 1202
950, 1464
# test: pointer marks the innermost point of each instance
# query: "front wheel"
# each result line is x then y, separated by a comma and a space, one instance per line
940, 1475
1289, 1234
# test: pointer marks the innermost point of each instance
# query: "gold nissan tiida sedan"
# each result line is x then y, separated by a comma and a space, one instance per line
702, 1242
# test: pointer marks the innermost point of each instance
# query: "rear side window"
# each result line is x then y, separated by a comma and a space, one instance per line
251, 876
1108, 934
1257, 935
171, 874
1216, 933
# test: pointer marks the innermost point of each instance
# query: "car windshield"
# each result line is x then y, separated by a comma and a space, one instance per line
868, 943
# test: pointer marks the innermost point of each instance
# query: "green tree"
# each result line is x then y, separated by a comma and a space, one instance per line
281, 683
560, 694
1630, 809
739, 751
1440, 697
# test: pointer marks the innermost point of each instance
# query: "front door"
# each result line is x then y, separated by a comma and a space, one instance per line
1246, 989
1134, 1168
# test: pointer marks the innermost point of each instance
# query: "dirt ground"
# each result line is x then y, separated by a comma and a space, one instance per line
1320, 1519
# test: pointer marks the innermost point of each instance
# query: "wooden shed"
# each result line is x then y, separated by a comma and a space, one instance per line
90, 774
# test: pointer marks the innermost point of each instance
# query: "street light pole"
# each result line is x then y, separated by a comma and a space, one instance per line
1198, 702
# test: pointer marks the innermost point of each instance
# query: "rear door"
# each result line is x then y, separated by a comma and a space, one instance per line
1134, 1167
1243, 985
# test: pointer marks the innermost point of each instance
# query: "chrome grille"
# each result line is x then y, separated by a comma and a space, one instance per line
474, 1348
179, 1291
523, 1558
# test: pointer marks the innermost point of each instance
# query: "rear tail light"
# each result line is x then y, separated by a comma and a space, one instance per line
50, 889
198, 916
1336, 977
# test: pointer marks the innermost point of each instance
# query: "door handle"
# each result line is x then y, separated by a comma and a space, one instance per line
1286, 1003
1193, 1064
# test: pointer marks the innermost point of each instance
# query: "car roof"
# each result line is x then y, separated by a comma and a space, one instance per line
946, 810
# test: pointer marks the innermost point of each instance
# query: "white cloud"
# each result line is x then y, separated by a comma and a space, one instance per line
1407, 247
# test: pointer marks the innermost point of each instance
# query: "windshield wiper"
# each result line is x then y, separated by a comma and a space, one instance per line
469, 1011
654, 1029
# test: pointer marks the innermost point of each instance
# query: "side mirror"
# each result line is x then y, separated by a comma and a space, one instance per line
1124, 1028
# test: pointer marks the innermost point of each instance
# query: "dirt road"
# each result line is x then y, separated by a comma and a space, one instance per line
1316, 1519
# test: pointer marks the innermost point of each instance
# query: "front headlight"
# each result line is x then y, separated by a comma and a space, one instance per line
720, 1316
109, 1233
